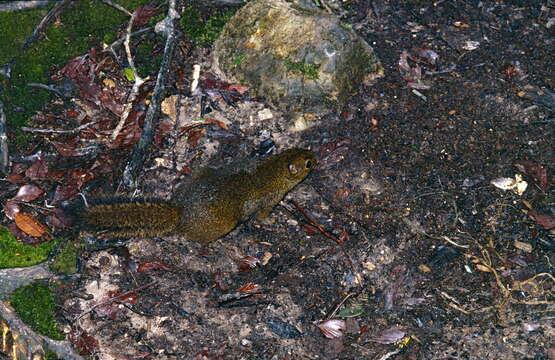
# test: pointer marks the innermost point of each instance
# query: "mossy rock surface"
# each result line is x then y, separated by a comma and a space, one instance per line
297, 56
35, 305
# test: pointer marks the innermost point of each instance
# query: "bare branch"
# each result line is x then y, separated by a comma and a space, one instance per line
136, 85
141, 149
4, 159
23, 5
55, 131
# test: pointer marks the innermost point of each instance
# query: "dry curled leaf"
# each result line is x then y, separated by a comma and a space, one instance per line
483, 268
248, 263
389, 336
250, 288
517, 184
11, 208
29, 225
333, 328
28, 193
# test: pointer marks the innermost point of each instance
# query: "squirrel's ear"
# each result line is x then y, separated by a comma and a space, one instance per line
293, 169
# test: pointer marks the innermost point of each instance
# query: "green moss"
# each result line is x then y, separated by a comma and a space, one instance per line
203, 32
65, 261
16, 254
18, 26
146, 62
83, 24
35, 305
50, 355
300, 67
238, 60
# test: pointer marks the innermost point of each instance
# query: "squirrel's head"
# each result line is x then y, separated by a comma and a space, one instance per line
299, 163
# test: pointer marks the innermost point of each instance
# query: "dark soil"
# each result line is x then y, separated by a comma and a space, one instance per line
437, 262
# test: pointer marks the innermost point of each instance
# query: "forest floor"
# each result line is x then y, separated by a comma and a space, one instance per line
431, 260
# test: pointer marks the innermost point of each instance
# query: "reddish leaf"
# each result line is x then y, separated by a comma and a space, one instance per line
152, 265
374, 124
16, 179
11, 208
65, 192
248, 263
241, 89
413, 75
71, 113
143, 14
194, 136
364, 329
81, 70
29, 225
545, 221
112, 98
129, 297
39, 170
250, 288
220, 124
85, 343
56, 175
80, 177
311, 230
130, 133
28, 193
19, 169
343, 237
533, 170
220, 280
165, 126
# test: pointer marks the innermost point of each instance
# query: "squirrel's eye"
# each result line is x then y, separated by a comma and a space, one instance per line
309, 164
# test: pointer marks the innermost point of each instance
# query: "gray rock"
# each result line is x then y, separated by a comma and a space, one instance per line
294, 54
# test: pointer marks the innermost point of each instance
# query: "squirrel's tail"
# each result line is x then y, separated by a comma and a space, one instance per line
121, 218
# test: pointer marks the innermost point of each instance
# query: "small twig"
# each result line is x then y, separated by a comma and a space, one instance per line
121, 40
57, 131
35, 206
4, 159
324, 232
389, 354
136, 85
115, 298
336, 308
449, 69
46, 87
117, 6
196, 75
417, 229
326, 6
419, 94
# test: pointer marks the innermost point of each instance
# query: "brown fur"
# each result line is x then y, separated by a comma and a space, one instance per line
209, 207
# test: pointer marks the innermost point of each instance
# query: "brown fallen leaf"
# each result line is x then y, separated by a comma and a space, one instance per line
545, 221
28, 193
29, 225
